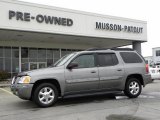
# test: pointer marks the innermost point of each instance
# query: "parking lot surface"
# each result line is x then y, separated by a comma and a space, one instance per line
100, 107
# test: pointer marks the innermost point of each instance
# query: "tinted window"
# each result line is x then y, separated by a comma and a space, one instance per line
24, 52
107, 59
85, 61
1, 64
1, 51
50, 54
33, 53
41, 53
157, 52
130, 57
15, 52
7, 52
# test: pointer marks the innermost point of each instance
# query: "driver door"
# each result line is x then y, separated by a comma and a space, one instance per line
83, 78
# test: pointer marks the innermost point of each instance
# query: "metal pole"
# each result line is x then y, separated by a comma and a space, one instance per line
20, 60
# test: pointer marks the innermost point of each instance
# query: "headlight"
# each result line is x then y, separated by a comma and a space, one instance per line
25, 79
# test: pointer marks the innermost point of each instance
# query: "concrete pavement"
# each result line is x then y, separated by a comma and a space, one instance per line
146, 107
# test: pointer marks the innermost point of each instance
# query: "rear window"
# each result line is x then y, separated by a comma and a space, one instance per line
130, 57
107, 59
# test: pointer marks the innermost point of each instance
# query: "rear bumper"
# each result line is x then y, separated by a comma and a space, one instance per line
147, 79
23, 91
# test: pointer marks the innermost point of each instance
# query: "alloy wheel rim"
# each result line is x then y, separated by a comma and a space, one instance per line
134, 88
46, 95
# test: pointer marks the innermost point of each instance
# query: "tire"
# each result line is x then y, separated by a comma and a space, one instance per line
133, 88
45, 95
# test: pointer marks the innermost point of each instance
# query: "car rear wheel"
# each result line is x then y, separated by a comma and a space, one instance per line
133, 88
45, 95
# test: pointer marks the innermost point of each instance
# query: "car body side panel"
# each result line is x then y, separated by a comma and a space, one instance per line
81, 80
54, 73
136, 68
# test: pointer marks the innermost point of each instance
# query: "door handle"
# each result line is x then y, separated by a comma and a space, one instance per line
119, 70
93, 71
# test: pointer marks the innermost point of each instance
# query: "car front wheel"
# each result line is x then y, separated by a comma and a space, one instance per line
133, 88
45, 95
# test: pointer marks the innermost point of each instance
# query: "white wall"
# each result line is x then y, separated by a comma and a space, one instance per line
44, 45
84, 23
156, 58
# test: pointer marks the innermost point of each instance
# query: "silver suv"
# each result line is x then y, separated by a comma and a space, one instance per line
92, 71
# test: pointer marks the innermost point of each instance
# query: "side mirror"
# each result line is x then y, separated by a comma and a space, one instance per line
72, 65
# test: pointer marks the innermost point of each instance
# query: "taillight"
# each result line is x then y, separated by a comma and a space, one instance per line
147, 68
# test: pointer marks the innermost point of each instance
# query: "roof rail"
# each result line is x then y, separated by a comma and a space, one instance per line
122, 49
94, 49
116, 49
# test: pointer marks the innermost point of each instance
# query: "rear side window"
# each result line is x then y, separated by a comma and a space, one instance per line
130, 57
107, 59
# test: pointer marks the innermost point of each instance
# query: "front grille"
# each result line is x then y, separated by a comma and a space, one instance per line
14, 80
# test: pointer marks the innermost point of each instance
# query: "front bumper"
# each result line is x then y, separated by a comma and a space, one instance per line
147, 79
23, 91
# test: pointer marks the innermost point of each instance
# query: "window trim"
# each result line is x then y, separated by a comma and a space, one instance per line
95, 60
106, 53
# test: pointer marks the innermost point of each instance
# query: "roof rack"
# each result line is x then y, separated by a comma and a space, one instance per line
95, 49
122, 49
116, 49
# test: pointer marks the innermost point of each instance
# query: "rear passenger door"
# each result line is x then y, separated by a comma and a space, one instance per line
110, 71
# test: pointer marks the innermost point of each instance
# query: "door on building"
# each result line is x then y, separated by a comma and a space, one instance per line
37, 65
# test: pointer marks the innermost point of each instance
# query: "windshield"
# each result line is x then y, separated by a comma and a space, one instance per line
63, 60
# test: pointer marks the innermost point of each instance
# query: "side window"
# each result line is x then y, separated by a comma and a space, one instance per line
85, 61
157, 52
107, 59
130, 57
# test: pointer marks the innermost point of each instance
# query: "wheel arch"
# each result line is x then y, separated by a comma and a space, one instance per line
138, 76
52, 81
